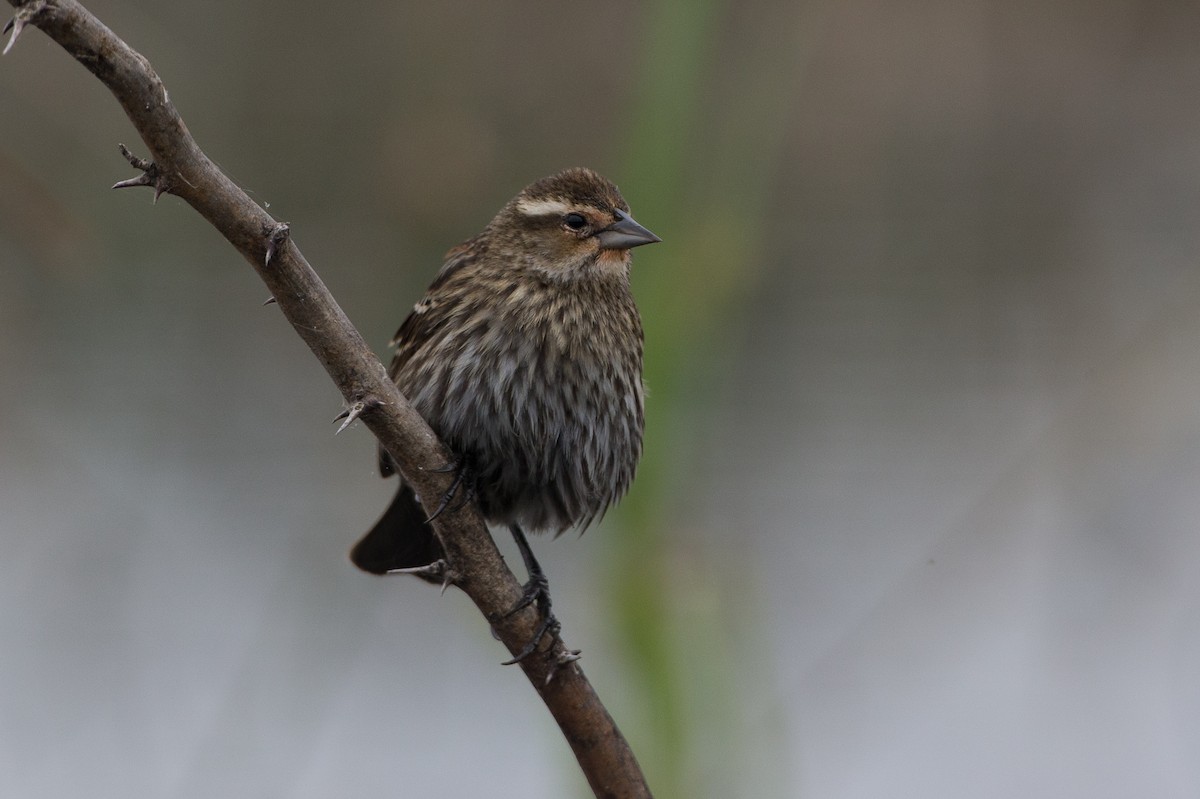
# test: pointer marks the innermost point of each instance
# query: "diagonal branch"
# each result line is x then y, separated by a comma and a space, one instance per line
178, 166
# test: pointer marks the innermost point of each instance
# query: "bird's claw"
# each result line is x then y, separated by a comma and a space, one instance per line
462, 471
536, 593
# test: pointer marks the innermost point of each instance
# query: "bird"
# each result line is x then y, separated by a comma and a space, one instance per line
525, 357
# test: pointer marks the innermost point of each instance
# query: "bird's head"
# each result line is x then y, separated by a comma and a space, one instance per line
568, 225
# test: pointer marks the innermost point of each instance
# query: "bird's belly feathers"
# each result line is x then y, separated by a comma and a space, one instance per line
553, 434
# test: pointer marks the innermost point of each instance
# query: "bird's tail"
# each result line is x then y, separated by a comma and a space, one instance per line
401, 539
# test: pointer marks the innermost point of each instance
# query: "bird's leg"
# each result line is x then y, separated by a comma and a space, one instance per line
537, 592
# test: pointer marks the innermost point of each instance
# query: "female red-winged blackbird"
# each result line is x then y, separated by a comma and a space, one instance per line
525, 357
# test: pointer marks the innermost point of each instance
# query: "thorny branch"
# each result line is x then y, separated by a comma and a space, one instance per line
178, 166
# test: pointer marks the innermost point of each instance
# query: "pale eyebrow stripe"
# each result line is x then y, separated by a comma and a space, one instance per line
542, 207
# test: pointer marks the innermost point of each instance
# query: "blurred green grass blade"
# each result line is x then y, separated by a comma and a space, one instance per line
708, 133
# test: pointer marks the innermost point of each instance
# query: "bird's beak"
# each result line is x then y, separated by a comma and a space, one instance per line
625, 233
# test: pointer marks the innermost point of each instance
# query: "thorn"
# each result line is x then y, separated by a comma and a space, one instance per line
269, 300
564, 658
439, 569
354, 412
26, 13
134, 161
143, 179
16, 25
277, 239
350, 415
151, 176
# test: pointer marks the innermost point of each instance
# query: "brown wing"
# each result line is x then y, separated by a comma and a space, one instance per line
426, 317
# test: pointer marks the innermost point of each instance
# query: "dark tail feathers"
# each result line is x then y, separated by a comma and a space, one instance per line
402, 539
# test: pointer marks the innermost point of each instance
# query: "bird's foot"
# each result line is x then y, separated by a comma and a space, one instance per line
464, 480
536, 593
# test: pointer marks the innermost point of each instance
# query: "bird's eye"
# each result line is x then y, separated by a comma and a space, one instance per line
575, 221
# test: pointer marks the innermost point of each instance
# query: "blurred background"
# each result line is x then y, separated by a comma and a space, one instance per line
919, 509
